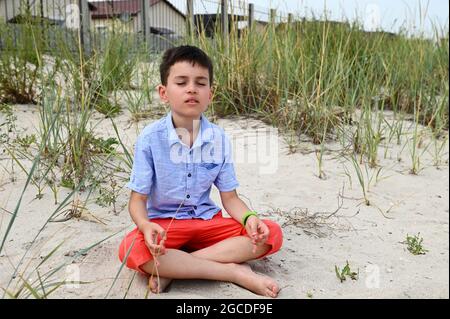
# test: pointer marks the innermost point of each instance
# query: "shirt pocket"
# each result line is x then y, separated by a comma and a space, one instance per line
207, 174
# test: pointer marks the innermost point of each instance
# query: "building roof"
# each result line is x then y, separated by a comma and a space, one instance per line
34, 19
110, 9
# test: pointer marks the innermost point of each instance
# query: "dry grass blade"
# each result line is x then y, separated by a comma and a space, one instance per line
318, 224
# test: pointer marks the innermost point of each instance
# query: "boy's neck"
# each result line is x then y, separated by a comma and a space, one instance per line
192, 125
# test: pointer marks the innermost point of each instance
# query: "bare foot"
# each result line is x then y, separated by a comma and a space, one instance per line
158, 286
261, 285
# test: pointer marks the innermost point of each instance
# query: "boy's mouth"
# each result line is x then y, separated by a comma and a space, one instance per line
191, 101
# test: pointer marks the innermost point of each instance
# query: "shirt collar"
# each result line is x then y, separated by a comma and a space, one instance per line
206, 133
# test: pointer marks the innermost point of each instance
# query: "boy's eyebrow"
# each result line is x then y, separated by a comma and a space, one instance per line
186, 77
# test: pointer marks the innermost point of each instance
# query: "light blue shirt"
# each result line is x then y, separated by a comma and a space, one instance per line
172, 174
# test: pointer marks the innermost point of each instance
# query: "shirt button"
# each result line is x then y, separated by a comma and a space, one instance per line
188, 196
195, 207
189, 175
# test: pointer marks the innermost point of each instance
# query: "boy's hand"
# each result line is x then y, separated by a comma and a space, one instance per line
155, 236
257, 231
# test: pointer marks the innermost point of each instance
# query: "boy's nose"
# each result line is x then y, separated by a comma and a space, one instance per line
191, 88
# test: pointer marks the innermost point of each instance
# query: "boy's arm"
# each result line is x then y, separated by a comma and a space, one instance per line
234, 205
138, 209
256, 229
138, 212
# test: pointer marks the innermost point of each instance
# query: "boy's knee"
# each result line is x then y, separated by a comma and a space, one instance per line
275, 235
125, 251
122, 250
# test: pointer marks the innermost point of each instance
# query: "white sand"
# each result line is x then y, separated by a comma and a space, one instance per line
359, 234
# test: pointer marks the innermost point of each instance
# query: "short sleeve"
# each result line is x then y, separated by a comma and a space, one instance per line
226, 180
143, 168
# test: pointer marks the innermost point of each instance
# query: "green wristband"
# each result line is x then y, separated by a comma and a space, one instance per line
247, 215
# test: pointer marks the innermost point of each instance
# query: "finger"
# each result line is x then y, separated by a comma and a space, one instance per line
251, 234
154, 237
154, 248
156, 254
253, 228
151, 246
157, 263
262, 237
150, 241
163, 247
263, 229
266, 231
162, 234
256, 233
260, 242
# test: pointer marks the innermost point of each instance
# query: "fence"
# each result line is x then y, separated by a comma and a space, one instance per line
157, 24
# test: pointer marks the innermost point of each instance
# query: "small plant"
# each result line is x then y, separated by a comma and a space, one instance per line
414, 244
439, 147
26, 141
7, 127
108, 196
346, 271
106, 107
139, 101
20, 62
51, 183
368, 135
7, 130
399, 129
319, 154
37, 178
67, 183
101, 146
415, 144
361, 179
4, 107
415, 159
135, 101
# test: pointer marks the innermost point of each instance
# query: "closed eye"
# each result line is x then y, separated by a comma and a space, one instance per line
183, 83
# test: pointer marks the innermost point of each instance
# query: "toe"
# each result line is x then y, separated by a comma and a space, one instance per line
270, 293
153, 285
275, 291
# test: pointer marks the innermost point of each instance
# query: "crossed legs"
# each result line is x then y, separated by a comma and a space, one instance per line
217, 262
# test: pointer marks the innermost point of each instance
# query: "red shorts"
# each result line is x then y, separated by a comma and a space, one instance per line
192, 234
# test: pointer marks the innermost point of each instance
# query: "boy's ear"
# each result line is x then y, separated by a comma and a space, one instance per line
162, 93
211, 92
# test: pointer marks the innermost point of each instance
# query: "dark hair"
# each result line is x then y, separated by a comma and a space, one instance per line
184, 53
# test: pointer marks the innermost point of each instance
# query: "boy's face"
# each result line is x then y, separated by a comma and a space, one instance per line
187, 91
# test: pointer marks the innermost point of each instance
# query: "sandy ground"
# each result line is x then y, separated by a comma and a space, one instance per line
325, 224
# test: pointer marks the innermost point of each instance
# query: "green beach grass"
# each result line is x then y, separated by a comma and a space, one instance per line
320, 79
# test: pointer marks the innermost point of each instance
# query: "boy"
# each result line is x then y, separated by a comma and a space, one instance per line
176, 161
